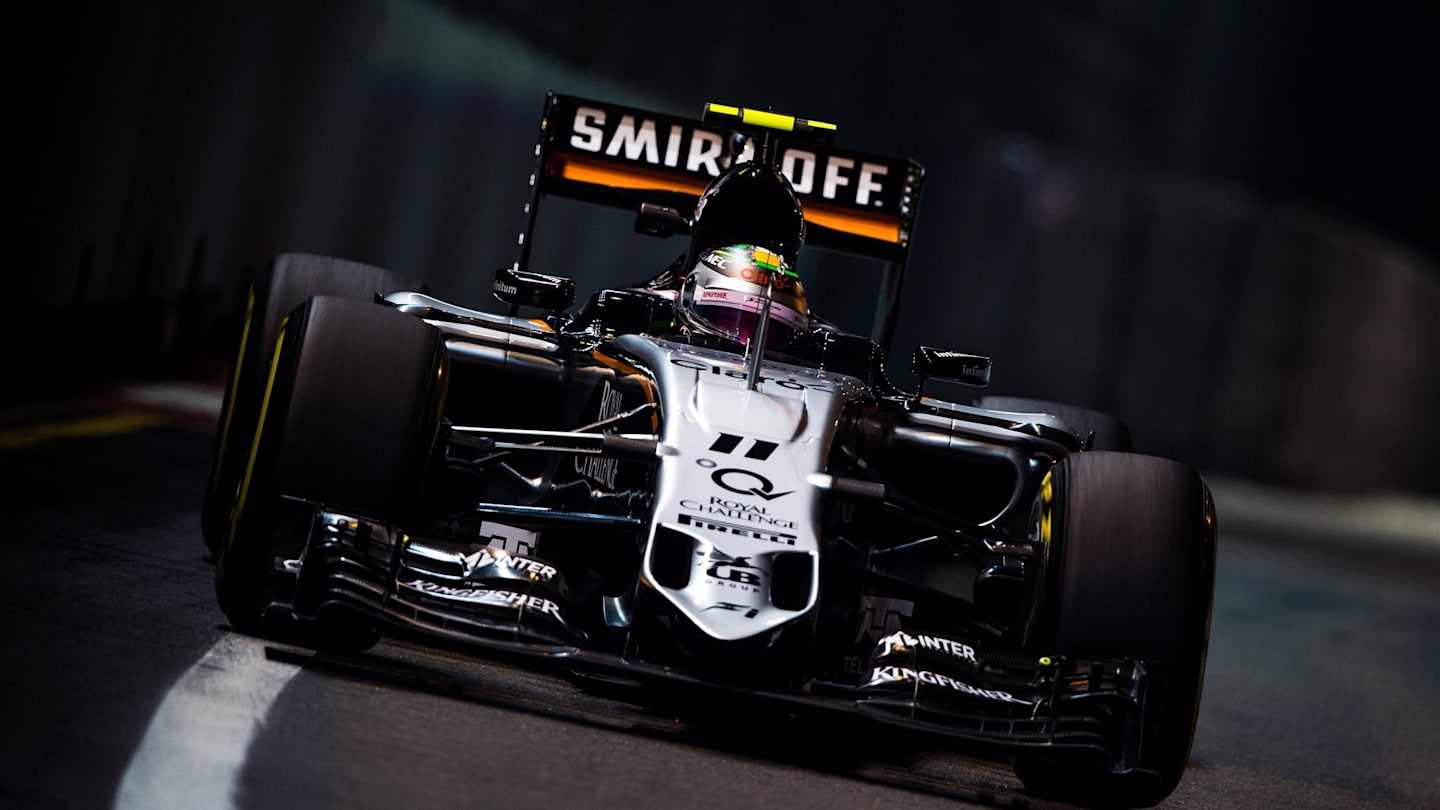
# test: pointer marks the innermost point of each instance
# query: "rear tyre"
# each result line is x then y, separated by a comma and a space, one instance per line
1110, 432
348, 419
1131, 574
286, 282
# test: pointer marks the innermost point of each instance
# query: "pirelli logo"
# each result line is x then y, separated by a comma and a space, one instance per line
739, 531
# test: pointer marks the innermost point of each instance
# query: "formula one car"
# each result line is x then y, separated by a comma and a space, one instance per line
696, 481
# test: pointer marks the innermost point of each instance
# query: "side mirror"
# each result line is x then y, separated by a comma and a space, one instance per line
523, 288
940, 364
660, 220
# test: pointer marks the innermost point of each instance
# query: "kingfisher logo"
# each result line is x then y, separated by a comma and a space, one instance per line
906, 675
487, 596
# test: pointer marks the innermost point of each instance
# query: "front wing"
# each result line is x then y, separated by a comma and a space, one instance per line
515, 606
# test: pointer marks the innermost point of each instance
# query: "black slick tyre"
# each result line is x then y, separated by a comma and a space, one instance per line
1131, 572
287, 281
348, 419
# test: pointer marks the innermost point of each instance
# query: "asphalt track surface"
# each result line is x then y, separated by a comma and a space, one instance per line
123, 688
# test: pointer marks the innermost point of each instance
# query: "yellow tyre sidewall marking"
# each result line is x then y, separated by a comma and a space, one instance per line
229, 411
255, 442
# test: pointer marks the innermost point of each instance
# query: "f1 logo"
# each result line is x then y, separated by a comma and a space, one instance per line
750, 612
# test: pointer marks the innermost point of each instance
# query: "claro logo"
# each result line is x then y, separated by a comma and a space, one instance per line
739, 374
641, 140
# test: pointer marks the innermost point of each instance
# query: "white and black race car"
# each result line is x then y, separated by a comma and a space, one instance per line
697, 481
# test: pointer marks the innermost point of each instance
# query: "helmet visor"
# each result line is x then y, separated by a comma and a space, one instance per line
736, 314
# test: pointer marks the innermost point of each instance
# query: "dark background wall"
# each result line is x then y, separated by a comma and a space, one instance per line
1215, 219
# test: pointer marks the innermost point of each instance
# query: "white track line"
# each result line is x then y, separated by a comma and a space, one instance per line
198, 398
194, 749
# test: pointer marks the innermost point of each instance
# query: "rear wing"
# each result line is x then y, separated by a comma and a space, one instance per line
854, 203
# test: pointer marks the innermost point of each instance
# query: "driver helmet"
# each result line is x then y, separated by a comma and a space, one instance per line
748, 204
724, 294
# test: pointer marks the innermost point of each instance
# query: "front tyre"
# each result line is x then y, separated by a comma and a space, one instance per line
348, 419
286, 282
1131, 546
